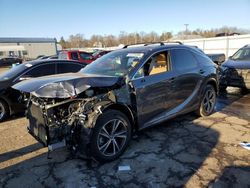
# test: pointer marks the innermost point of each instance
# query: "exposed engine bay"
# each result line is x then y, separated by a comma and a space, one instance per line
52, 120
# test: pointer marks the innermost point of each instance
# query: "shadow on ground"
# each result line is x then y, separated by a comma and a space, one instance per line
165, 155
233, 176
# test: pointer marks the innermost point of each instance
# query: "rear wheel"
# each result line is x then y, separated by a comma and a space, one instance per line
4, 110
111, 136
208, 101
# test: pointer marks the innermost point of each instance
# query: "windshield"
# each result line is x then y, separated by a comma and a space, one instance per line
242, 54
117, 63
13, 72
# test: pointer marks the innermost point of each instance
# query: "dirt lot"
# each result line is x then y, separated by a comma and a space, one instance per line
186, 151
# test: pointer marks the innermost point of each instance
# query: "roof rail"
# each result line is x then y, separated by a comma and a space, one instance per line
152, 43
144, 44
178, 42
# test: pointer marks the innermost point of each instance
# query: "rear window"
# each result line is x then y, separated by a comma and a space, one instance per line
183, 60
74, 55
203, 59
85, 56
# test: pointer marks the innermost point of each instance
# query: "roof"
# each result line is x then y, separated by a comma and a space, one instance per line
27, 40
153, 47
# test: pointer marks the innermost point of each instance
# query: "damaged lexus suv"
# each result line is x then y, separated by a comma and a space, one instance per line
96, 110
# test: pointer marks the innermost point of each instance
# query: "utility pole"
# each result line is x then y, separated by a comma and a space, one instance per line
186, 25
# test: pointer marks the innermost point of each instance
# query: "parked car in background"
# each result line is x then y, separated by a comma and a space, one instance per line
236, 70
99, 53
10, 99
81, 56
9, 61
97, 109
217, 58
41, 57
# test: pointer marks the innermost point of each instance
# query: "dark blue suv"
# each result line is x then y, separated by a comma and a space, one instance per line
98, 109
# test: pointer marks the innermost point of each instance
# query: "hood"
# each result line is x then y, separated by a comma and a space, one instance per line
64, 85
238, 64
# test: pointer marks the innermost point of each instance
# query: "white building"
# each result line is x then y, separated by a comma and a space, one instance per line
28, 48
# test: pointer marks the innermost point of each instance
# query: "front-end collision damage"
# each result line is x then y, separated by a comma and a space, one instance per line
57, 119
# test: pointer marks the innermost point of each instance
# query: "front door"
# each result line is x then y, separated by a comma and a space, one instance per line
153, 87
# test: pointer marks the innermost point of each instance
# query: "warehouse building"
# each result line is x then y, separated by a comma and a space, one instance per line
27, 48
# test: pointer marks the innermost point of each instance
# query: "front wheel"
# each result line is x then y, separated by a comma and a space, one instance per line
111, 136
4, 110
208, 101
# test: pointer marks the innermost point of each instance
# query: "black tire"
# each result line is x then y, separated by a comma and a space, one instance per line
4, 110
103, 144
208, 101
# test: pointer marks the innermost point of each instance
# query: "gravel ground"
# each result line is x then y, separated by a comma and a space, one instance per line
183, 152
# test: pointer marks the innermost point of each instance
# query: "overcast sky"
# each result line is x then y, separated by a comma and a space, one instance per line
56, 18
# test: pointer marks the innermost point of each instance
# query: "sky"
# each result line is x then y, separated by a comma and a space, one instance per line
56, 18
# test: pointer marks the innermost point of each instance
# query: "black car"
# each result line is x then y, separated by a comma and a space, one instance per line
10, 99
236, 70
97, 109
217, 58
8, 61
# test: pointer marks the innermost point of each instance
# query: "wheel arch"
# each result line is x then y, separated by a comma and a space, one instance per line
214, 83
125, 110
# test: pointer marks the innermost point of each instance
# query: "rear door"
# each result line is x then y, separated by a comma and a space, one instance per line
189, 76
152, 85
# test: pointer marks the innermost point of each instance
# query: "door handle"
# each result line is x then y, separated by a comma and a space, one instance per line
171, 80
202, 71
142, 80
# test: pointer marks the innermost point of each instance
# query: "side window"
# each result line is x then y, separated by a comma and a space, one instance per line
158, 63
41, 70
74, 56
202, 59
183, 60
68, 67
85, 56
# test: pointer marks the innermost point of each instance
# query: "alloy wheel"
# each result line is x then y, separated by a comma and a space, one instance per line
112, 137
209, 101
2, 110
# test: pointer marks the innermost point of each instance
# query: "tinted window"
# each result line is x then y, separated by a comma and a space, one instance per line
183, 60
41, 70
68, 67
203, 59
85, 56
74, 55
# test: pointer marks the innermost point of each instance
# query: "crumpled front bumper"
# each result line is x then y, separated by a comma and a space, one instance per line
235, 77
